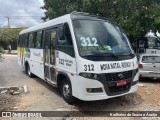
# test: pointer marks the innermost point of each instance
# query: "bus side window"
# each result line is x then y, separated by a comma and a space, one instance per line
25, 40
66, 45
31, 40
38, 39
19, 41
22, 41
47, 40
53, 37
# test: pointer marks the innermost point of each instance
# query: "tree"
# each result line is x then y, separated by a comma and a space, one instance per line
56, 8
136, 17
9, 34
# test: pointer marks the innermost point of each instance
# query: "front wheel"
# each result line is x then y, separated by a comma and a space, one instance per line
66, 91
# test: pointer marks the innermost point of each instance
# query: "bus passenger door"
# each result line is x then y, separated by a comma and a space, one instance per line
50, 38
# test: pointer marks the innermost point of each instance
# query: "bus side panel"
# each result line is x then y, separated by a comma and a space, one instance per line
65, 63
36, 62
21, 55
19, 59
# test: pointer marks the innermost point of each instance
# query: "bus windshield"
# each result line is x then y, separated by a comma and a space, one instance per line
153, 43
100, 38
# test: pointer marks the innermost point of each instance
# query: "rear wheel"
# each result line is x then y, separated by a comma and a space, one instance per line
28, 71
66, 91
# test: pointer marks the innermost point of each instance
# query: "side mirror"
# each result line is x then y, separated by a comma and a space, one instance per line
61, 33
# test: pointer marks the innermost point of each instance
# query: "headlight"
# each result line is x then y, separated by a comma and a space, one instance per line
90, 75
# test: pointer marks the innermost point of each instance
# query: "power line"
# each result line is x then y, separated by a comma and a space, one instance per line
22, 16
19, 17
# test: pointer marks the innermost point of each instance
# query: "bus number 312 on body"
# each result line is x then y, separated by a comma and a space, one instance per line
84, 56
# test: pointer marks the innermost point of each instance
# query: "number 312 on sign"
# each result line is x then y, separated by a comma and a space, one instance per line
89, 42
89, 67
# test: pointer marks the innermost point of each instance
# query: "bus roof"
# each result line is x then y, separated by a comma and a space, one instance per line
62, 19
49, 23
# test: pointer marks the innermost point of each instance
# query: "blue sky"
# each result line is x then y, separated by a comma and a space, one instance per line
9, 8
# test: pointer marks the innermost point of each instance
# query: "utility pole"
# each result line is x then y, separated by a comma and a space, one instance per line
8, 22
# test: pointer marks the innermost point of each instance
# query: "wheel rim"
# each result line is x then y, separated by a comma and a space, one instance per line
66, 90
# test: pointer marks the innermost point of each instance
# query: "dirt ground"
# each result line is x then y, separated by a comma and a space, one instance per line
7, 102
43, 97
150, 92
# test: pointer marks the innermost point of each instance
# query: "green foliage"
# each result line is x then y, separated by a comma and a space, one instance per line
9, 34
136, 17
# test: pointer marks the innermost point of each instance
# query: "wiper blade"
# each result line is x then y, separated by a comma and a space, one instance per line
125, 53
113, 55
103, 54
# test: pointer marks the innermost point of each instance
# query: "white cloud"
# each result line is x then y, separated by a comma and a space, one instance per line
21, 8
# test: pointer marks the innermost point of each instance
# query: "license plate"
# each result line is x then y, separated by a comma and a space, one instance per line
121, 83
155, 74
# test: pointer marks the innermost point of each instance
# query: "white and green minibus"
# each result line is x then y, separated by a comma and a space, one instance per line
85, 56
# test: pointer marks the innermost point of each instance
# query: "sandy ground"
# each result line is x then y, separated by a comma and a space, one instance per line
43, 97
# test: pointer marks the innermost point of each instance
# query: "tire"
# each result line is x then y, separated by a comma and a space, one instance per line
28, 71
66, 91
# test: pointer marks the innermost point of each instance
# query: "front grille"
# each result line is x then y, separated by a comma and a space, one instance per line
112, 79
118, 76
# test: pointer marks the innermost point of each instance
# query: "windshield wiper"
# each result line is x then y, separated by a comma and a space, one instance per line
125, 53
103, 54
113, 55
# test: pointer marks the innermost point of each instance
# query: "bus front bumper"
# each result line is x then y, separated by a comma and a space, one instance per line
90, 90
